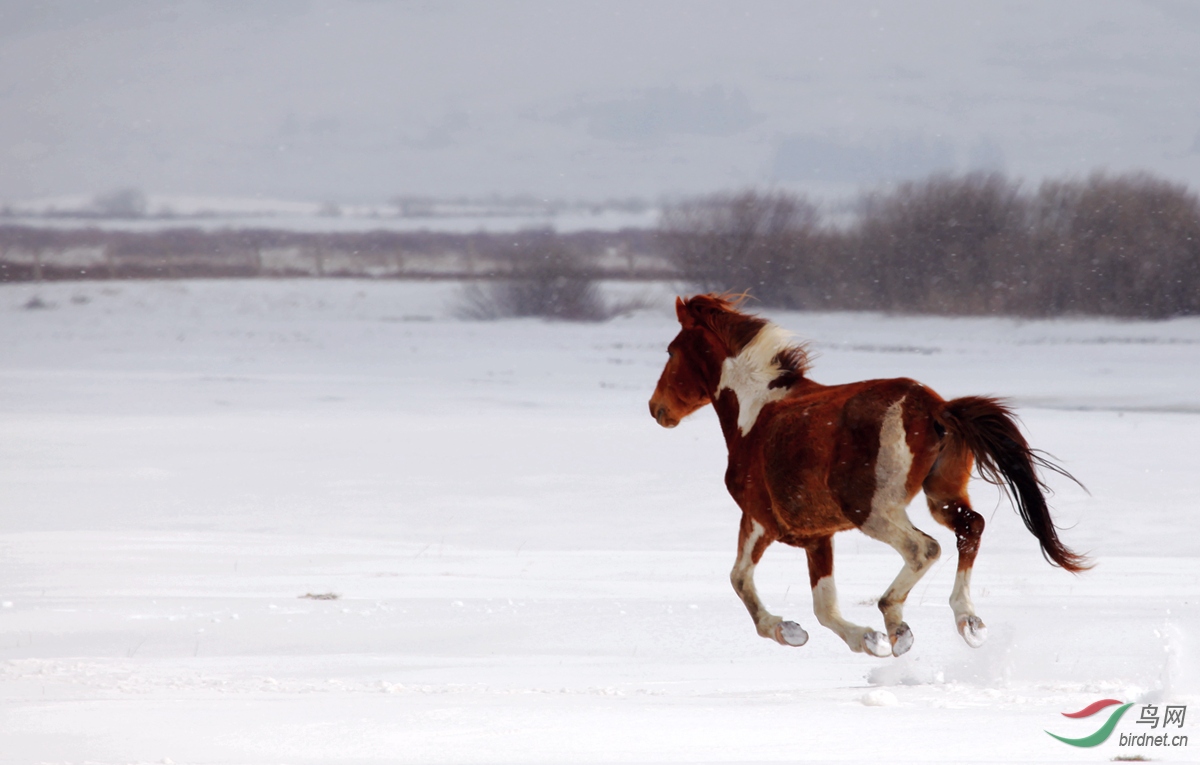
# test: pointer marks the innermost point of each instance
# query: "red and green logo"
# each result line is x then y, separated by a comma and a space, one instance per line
1105, 730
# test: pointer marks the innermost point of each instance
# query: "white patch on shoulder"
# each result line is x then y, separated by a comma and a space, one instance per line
893, 463
749, 374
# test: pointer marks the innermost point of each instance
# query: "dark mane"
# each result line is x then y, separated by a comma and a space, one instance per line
720, 315
793, 364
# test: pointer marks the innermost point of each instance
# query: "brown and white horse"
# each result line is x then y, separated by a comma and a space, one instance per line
808, 460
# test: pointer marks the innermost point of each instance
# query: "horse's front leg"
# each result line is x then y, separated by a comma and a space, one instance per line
825, 604
753, 541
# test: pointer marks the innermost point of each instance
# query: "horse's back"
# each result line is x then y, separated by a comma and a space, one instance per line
830, 450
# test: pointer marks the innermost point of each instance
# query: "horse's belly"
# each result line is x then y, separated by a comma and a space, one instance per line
810, 513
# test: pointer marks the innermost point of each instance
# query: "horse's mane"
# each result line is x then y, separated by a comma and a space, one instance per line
720, 315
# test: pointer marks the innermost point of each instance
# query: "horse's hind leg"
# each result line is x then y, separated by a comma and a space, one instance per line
946, 494
919, 551
888, 522
753, 541
825, 605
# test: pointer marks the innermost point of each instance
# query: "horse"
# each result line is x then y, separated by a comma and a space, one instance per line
808, 460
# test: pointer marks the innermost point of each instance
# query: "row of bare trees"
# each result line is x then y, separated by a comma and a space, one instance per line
1125, 245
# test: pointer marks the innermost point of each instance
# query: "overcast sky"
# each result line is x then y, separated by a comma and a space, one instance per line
363, 100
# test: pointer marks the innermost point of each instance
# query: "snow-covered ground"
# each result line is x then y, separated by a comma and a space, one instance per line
528, 568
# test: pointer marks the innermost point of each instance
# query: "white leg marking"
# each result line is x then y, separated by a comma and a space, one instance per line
825, 606
742, 578
743, 567
749, 374
960, 597
970, 626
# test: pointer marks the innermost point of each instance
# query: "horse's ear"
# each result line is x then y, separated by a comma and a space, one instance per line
684, 315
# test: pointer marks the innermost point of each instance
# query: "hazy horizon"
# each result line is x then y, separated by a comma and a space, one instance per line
357, 100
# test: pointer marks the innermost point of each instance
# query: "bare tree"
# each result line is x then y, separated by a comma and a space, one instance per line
1125, 245
946, 244
547, 279
750, 241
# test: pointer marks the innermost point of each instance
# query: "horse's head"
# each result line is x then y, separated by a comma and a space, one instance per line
694, 358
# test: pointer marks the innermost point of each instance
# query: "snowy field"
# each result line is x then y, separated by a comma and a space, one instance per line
527, 568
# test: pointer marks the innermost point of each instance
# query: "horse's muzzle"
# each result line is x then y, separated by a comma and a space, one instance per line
659, 413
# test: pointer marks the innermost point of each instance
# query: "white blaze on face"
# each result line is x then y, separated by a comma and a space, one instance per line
749, 374
892, 464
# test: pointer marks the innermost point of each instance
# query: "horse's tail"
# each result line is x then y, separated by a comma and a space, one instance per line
988, 429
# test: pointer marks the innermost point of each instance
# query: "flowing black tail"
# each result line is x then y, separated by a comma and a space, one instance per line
988, 429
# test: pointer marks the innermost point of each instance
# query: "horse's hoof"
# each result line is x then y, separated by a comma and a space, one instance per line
877, 644
973, 630
790, 633
902, 640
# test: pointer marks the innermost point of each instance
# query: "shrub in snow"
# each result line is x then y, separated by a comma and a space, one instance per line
546, 280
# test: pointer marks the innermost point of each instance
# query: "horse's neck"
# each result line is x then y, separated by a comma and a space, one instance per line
739, 407
727, 414
738, 420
